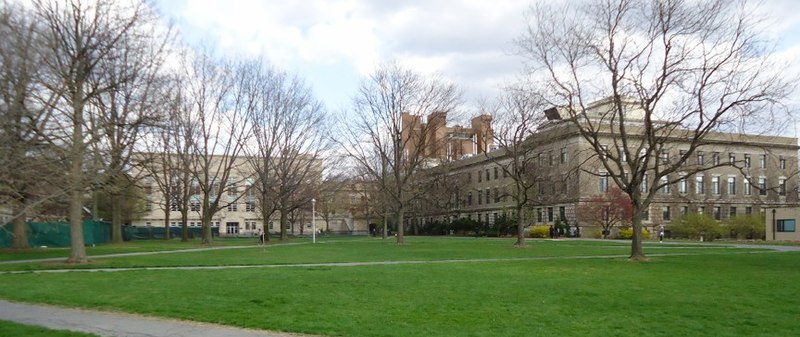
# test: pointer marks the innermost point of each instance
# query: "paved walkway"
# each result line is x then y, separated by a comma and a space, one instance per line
119, 324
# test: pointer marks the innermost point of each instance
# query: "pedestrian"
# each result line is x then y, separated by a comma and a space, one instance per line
552, 232
661, 233
260, 236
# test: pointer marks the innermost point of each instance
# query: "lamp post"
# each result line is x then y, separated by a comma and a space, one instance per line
313, 222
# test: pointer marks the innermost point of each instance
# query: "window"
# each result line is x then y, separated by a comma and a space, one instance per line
194, 206
148, 206
623, 157
665, 183
644, 183
665, 213
782, 185
715, 185
603, 182
762, 185
538, 215
732, 212
664, 157
732, 158
469, 199
785, 225
539, 159
469, 177
496, 195
683, 186
488, 196
747, 161
250, 206
480, 197
563, 155
480, 177
646, 215
717, 215
715, 158
748, 189
782, 162
701, 158
495, 173
684, 210
748, 210
699, 187
701, 210
173, 205
233, 189
562, 212
762, 161
549, 214
487, 174
232, 207
731, 185
550, 157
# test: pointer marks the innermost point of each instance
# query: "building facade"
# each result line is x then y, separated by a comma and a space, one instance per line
739, 174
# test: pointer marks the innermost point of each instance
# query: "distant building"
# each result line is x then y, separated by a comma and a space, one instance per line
448, 142
762, 174
781, 224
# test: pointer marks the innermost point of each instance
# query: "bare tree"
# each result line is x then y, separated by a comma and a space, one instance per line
290, 131
517, 115
385, 134
123, 114
23, 116
81, 36
670, 70
215, 121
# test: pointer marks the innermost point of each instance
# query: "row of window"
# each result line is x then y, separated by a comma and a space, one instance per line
490, 194
700, 185
700, 158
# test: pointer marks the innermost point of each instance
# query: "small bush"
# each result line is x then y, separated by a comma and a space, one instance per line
696, 226
540, 232
749, 227
627, 233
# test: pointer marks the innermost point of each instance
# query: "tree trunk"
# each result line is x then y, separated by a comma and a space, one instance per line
19, 239
265, 225
116, 218
77, 250
385, 225
77, 253
167, 234
520, 228
184, 225
206, 228
400, 238
284, 235
637, 253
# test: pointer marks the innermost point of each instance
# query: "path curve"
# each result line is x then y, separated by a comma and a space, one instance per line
112, 324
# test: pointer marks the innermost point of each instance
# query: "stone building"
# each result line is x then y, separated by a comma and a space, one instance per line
747, 174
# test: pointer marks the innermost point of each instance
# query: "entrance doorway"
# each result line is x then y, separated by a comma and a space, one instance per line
232, 227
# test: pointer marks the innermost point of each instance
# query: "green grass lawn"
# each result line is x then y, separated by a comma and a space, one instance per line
10, 329
719, 291
367, 249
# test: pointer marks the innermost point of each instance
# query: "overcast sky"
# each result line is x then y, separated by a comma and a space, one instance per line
333, 44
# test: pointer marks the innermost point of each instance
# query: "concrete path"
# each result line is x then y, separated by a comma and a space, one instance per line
108, 324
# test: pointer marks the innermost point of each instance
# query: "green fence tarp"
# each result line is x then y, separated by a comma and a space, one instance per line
56, 234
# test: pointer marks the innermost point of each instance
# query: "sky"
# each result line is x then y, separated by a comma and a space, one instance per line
333, 44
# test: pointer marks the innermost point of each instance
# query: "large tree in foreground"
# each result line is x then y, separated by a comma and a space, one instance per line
80, 38
670, 69
385, 134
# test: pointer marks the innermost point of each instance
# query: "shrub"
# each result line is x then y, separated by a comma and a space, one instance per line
695, 226
747, 227
540, 232
627, 233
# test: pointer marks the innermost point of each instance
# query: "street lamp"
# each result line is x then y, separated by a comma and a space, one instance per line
313, 222
773, 225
